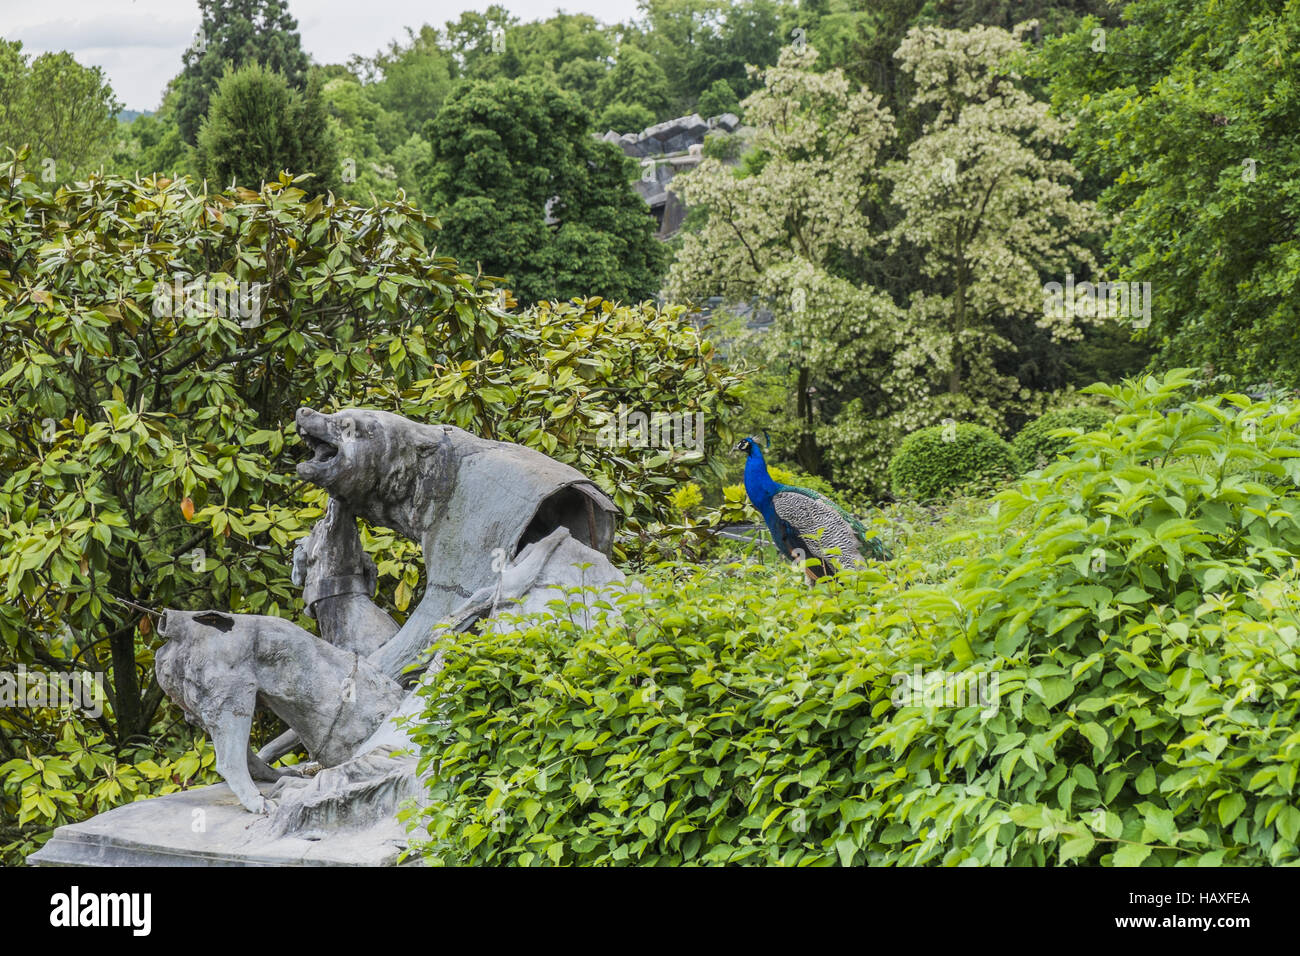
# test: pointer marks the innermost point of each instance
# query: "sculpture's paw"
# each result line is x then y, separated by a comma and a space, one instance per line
259, 805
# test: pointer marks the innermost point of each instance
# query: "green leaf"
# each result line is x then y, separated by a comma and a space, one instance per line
1131, 854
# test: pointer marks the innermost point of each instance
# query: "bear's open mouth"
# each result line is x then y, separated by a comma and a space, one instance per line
322, 451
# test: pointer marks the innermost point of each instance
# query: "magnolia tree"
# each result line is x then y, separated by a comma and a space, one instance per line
156, 340
776, 231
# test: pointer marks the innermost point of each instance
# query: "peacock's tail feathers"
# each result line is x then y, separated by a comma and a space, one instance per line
871, 547
875, 548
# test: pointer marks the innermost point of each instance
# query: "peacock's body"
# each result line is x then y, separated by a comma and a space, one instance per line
805, 524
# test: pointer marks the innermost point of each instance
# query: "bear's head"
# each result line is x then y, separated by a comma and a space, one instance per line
378, 464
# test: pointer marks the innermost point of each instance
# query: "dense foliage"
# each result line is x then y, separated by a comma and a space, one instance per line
1108, 676
531, 196
156, 341
60, 109
235, 33
1050, 434
1187, 116
258, 127
980, 201
943, 458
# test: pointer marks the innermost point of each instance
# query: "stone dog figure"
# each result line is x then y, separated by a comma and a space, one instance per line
470, 502
337, 578
219, 667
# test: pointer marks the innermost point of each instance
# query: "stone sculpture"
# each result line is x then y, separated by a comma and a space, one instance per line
338, 579
501, 527
218, 667
471, 503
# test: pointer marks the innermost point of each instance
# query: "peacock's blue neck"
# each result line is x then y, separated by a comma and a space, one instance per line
758, 483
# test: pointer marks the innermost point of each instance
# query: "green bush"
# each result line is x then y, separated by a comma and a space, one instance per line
1038, 443
78, 772
718, 99
1134, 646
947, 457
258, 125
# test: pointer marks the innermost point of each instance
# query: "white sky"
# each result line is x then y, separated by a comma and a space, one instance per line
139, 43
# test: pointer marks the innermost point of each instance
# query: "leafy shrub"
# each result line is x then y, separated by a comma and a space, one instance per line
625, 118
718, 99
147, 449
1141, 625
78, 773
943, 458
1039, 442
565, 371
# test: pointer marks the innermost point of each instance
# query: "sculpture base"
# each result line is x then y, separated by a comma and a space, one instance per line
171, 831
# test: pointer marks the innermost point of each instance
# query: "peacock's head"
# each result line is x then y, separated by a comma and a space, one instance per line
747, 447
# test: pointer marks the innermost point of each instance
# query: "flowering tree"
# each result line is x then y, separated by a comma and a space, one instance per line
990, 207
779, 228
980, 198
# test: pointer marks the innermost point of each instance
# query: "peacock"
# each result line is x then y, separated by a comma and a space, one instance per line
804, 523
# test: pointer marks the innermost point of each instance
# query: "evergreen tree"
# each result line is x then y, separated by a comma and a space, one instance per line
259, 126
236, 32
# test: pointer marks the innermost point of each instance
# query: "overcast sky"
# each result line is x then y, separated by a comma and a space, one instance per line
139, 42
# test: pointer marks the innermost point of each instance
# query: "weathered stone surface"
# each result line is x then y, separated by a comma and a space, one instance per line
676, 146
218, 667
209, 827
338, 578
502, 527
465, 499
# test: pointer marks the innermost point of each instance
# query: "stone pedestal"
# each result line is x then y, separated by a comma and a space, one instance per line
165, 831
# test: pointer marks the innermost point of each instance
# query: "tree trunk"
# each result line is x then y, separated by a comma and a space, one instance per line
126, 680
807, 454
126, 685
